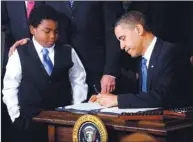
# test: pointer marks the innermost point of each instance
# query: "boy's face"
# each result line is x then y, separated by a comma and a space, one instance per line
46, 33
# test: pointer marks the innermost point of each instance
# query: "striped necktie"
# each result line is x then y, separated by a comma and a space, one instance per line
144, 74
46, 61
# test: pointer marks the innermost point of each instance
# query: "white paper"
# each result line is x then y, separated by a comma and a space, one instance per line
95, 106
130, 110
85, 106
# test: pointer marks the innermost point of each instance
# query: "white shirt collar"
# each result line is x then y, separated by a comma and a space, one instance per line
39, 47
149, 50
26, 4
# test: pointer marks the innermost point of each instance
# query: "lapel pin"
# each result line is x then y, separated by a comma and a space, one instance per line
152, 66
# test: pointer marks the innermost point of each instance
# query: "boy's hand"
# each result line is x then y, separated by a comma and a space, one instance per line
16, 44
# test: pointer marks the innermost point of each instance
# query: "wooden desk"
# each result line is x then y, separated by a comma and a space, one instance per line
60, 126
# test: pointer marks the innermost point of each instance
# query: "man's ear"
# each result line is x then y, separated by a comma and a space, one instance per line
32, 30
139, 29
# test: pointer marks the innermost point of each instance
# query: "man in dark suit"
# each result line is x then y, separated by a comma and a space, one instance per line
15, 22
91, 34
164, 74
16, 13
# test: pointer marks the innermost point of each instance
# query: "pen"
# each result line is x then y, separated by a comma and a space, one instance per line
94, 98
95, 89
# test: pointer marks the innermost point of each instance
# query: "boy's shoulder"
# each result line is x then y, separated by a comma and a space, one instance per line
63, 46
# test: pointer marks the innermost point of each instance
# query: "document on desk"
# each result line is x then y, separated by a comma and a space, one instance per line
85, 106
116, 110
95, 107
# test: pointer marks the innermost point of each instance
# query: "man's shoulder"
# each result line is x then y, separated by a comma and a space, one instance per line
167, 44
168, 47
168, 51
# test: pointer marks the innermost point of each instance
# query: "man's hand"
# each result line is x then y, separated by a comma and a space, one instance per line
16, 44
93, 98
107, 84
107, 100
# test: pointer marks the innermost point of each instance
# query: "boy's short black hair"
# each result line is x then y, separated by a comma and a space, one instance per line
42, 12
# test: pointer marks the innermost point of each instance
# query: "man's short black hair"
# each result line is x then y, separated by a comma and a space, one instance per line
42, 12
134, 17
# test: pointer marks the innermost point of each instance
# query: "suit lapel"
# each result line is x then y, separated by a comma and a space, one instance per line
38, 3
61, 6
23, 10
69, 11
152, 63
75, 5
65, 7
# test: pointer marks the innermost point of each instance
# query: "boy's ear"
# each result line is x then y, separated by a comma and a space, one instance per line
32, 30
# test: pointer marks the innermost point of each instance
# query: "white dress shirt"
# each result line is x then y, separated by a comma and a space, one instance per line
13, 76
149, 51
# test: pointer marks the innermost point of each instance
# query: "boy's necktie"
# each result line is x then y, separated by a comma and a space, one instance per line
46, 61
144, 74
30, 6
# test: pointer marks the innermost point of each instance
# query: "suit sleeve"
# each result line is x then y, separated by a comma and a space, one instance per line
5, 23
4, 19
170, 89
112, 11
7, 33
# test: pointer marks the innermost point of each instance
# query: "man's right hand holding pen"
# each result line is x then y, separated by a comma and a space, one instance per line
106, 99
93, 98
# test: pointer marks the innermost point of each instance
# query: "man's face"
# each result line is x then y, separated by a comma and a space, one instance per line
130, 39
45, 33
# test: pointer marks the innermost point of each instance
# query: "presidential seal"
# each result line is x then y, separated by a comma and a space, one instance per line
89, 128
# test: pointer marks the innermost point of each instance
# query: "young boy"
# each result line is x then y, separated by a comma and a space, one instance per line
40, 75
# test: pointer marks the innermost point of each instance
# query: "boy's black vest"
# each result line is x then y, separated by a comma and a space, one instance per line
37, 89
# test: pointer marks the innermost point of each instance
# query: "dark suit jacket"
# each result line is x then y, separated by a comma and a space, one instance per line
14, 24
16, 16
169, 80
91, 34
